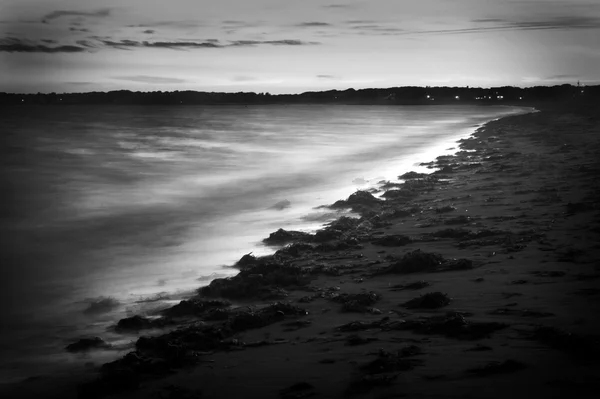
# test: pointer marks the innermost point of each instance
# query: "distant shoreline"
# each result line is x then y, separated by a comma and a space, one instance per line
409, 95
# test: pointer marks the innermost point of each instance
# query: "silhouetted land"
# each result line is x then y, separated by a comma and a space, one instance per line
409, 95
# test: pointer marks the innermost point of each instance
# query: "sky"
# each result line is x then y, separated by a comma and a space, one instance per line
291, 46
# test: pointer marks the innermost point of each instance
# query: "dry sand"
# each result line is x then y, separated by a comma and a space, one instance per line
522, 198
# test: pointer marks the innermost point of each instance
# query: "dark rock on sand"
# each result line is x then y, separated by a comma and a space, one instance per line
431, 300
356, 302
420, 261
86, 344
247, 260
417, 285
416, 261
357, 199
396, 240
245, 285
194, 307
282, 236
412, 175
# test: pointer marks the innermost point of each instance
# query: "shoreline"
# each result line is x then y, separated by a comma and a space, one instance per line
352, 276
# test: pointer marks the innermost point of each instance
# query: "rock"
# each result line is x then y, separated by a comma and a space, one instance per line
357, 199
86, 344
282, 236
412, 175
432, 300
247, 260
417, 261
417, 285
396, 240
194, 307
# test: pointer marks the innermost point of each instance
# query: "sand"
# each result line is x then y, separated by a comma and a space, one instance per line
519, 317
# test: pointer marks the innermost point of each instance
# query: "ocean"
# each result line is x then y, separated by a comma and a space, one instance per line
110, 211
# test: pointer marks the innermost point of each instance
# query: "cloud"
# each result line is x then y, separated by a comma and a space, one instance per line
149, 31
72, 29
337, 6
377, 29
61, 13
561, 77
170, 24
150, 79
12, 45
556, 23
329, 77
313, 24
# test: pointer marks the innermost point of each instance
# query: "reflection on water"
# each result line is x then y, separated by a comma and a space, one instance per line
130, 201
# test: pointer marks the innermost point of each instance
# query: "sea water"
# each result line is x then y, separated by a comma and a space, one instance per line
105, 208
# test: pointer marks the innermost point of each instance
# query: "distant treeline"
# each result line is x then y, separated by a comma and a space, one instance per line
409, 95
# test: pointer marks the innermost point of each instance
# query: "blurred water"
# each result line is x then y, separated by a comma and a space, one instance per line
129, 201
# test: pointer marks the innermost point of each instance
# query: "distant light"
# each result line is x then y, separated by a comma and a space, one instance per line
22, 99
520, 98
457, 97
428, 96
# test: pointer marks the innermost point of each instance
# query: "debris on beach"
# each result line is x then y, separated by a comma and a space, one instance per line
431, 300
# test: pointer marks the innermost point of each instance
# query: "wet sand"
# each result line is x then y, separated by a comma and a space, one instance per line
481, 280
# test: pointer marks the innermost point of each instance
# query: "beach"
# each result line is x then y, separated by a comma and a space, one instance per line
478, 280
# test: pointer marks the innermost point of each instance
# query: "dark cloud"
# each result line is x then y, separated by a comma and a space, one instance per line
337, 6
127, 44
178, 45
72, 29
49, 41
149, 31
376, 29
326, 77
12, 45
150, 79
169, 24
63, 13
557, 23
311, 24
79, 83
